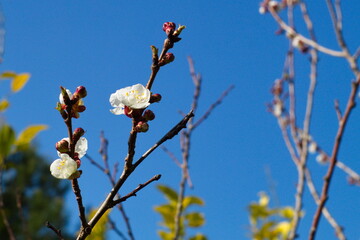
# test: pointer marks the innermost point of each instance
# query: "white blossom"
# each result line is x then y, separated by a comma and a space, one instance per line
64, 167
312, 147
61, 99
135, 97
80, 147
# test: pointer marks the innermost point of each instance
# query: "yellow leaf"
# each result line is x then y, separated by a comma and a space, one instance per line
101, 228
264, 199
283, 228
8, 74
4, 104
19, 81
29, 133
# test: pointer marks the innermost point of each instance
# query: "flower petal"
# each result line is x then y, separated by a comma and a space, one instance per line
61, 99
135, 97
81, 147
63, 168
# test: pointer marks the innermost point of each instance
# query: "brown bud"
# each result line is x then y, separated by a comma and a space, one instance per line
81, 108
168, 58
142, 127
80, 92
155, 98
77, 134
149, 115
62, 146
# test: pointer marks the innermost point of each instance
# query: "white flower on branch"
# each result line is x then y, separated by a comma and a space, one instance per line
134, 97
80, 147
313, 147
64, 167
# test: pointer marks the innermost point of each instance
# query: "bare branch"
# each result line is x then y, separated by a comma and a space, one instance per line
56, 231
212, 107
307, 41
133, 193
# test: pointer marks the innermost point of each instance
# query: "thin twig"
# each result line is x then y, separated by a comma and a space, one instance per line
213, 106
115, 229
171, 155
169, 135
56, 231
133, 193
307, 41
127, 172
112, 178
337, 110
342, 123
306, 128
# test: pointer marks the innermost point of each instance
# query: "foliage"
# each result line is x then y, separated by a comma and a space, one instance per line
269, 223
28, 195
31, 196
189, 219
18, 81
100, 229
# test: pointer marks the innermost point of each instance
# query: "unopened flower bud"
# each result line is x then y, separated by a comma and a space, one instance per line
155, 98
62, 146
65, 96
77, 134
80, 92
81, 108
169, 27
168, 58
149, 115
322, 158
142, 127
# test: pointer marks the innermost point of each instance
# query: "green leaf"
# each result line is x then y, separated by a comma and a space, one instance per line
283, 228
198, 236
8, 74
4, 104
192, 200
7, 139
100, 229
28, 134
168, 214
257, 211
168, 192
165, 235
19, 81
195, 219
287, 212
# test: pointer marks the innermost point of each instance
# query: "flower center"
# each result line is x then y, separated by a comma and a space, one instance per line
62, 163
135, 94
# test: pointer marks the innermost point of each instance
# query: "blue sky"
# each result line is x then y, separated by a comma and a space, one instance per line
104, 45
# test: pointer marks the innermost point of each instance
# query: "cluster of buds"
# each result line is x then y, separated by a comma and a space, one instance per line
66, 167
321, 157
276, 6
70, 105
266, 5
172, 34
